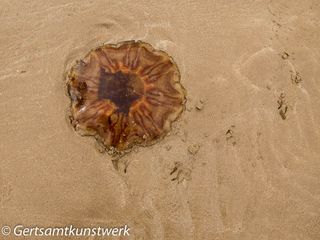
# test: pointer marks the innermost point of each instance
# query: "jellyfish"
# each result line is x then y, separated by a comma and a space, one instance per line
125, 94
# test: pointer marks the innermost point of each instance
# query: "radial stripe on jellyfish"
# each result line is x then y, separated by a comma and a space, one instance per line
125, 94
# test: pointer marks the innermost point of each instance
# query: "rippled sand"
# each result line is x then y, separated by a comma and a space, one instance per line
242, 163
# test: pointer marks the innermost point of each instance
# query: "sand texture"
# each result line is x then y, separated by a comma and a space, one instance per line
243, 161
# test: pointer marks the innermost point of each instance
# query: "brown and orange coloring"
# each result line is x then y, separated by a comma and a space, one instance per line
125, 94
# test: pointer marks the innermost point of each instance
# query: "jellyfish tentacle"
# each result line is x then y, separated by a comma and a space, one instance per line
163, 100
146, 121
156, 69
87, 78
157, 102
117, 129
136, 60
99, 55
155, 77
147, 70
146, 112
138, 118
126, 57
110, 66
94, 110
155, 92
132, 56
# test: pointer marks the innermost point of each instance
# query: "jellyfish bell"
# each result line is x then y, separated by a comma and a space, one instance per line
125, 94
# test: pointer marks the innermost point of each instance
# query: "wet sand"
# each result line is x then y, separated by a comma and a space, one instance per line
243, 161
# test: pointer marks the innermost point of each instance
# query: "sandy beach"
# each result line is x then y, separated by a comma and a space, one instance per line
241, 163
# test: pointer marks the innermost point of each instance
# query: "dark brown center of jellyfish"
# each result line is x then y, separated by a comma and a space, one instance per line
121, 88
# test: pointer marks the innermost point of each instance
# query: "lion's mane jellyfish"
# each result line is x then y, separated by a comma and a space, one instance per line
125, 94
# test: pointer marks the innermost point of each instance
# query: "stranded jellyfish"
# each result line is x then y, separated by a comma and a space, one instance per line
125, 94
